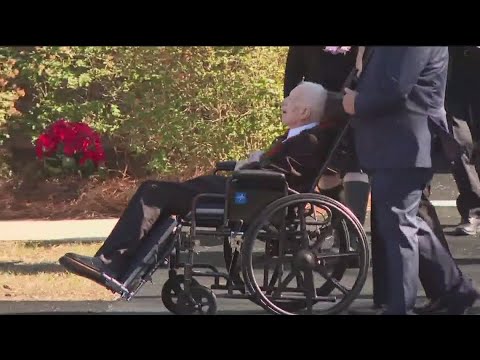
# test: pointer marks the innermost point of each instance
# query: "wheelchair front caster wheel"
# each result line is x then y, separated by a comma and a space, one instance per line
204, 301
173, 291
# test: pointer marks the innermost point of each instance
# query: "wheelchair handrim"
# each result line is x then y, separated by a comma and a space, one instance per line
250, 237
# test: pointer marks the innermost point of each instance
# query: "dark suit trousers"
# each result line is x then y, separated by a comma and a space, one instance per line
152, 202
461, 120
428, 213
404, 244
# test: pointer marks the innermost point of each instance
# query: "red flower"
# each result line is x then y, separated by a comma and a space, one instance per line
76, 138
85, 144
45, 146
69, 149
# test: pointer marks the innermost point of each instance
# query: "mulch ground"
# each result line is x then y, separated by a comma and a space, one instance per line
31, 196
70, 198
66, 199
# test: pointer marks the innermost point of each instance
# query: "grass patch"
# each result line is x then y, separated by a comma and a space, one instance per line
30, 271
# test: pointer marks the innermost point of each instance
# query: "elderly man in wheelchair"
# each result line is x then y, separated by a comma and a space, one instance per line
277, 228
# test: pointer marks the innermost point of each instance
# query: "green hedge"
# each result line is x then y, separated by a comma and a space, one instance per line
181, 107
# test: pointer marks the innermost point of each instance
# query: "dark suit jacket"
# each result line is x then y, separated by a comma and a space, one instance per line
301, 157
400, 100
463, 83
312, 63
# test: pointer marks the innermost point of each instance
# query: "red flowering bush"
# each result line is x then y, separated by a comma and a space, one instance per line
68, 147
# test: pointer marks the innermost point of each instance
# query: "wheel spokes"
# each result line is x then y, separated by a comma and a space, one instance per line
283, 284
334, 281
306, 227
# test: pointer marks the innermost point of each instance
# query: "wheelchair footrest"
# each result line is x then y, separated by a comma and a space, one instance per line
153, 252
115, 286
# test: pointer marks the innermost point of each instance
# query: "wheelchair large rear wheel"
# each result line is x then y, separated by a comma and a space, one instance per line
294, 240
336, 270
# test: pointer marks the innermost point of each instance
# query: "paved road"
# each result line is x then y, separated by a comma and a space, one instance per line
465, 249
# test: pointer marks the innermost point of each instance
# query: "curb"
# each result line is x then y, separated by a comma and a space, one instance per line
78, 231
57, 231
48, 242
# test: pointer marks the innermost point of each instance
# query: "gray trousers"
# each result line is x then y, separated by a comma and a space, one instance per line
460, 119
428, 214
405, 245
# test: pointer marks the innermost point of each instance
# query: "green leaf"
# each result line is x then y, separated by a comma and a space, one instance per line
68, 163
179, 107
84, 80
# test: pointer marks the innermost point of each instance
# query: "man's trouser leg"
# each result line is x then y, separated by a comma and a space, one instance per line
428, 213
152, 200
380, 285
464, 172
396, 196
355, 182
410, 242
356, 193
438, 272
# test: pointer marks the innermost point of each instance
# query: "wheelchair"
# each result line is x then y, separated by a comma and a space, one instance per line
288, 252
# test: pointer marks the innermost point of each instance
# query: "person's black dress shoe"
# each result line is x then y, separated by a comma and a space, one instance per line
430, 308
450, 305
463, 304
85, 266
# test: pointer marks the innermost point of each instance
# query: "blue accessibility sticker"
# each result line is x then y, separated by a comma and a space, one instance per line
240, 198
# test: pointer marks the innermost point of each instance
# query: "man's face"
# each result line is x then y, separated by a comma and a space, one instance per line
294, 111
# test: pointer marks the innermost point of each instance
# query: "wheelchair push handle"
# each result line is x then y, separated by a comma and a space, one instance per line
225, 166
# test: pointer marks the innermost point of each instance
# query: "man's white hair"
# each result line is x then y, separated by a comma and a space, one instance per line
315, 96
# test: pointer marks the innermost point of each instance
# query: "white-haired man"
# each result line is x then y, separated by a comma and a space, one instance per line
299, 154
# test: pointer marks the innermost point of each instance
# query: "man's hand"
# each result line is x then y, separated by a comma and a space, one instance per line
252, 158
255, 156
240, 164
349, 101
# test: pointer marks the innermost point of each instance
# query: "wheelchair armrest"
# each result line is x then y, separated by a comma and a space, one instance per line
260, 179
259, 174
225, 166
250, 191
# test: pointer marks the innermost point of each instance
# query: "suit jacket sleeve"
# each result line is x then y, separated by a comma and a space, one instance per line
294, 69
402, 67
299, 159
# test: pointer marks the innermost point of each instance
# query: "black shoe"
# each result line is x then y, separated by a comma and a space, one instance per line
451, 305
432, 307
470, 227
85, 266
461, 305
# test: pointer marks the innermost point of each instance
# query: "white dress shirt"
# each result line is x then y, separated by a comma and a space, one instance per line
298, 130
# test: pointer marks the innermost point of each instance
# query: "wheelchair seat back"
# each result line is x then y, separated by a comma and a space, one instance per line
250, 191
